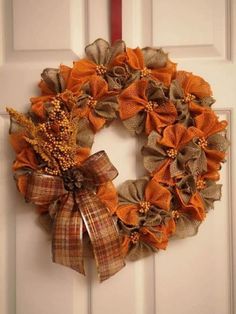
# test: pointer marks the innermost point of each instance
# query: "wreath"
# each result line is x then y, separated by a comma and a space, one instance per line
73, 190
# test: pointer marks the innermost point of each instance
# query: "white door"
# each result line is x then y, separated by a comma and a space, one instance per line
195, 275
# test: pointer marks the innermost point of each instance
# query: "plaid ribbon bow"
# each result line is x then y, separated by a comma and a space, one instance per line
78, 204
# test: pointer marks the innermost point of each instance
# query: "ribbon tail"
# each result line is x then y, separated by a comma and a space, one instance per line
67, 247
103, 234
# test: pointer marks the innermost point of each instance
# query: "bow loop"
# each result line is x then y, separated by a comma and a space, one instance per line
44, 189
99, 169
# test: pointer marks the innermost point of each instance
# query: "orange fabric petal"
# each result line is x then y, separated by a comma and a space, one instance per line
125, 244
214, 158
212, 175
37, 106
81, 155
195, 208
157, 195
74, 84
135, 58
177, 135
99, 88
193, 84
165, 74
128, 214
159, 242
197, 109
45, 90
209, 124
84, 69
65, 72
96, 121
108, 195
18, 141
26, 158
162, 174
22, 183
133, 99
162, 116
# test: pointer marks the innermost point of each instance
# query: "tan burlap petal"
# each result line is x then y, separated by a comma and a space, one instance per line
192, 158
183, 114
186, 227
85, 135
186, 187
53, 79
136, 124
107, 108
176, 91
132, 191
117, 77
155, 92
140, 250
100, 51
211, 194
156, 216
153, 153
117, 48
154, 58
218, 142
207, 101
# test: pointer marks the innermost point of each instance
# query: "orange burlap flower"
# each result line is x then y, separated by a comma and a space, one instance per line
145, 216
208, 125
97, 103
61, 81
175, 137
100, 59
194, 89
154, 195
138, 60
146, 104
156, 238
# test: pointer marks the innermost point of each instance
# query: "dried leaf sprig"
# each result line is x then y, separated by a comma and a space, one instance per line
54, 140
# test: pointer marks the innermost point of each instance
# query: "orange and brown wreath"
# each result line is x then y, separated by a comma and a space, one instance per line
73, 191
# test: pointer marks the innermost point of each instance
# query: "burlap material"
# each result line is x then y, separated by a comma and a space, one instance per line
150, 225
184, 108
155, 154
187, 187
154, 58
53, 79
105, 105
132, 191
186, 227
102, 53
143, 105
85, 135
210, 194
218, 142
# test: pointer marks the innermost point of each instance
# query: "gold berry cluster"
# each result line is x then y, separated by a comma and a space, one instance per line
57, 132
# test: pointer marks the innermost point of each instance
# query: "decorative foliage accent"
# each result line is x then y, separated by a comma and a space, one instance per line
186, 144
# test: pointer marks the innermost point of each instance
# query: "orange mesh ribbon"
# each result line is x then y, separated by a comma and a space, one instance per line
78, 204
